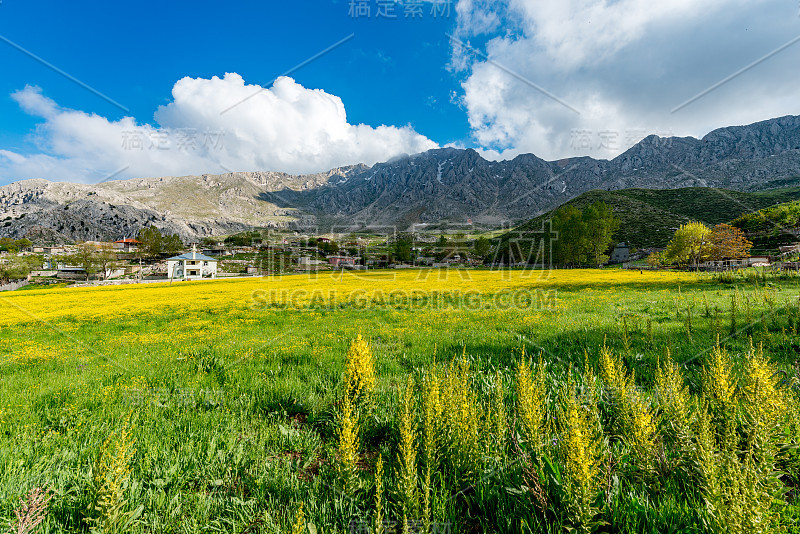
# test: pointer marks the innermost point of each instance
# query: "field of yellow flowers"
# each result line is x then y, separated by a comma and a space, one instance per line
404, 401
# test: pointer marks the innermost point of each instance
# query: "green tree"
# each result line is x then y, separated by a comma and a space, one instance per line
87, 258
599, 228
151, 242
244, 239
7, 245
171, 244
655, 259
17, 268
689, 245
403, 247
482, 247
571, 245
106, 258
460, 242
328, 247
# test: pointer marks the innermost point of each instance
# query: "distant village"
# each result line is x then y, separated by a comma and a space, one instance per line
152, 257
155, 257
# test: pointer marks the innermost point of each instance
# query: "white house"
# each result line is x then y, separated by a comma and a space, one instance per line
191, 266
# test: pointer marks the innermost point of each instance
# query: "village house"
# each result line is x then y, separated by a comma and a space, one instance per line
789, 250
51, 250
620, 254
191, 266
308, 261
759, 261
216, 250
341, 261
737, 263
75, 272
126, 245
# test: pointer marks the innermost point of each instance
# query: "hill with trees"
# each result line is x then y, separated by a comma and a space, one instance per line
649, 217
771, 227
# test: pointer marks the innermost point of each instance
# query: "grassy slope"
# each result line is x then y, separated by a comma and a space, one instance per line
649, 216
244, 457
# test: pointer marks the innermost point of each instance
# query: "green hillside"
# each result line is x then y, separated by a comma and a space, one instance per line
649, 217
771, 227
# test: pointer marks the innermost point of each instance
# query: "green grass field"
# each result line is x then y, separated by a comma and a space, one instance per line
233, 392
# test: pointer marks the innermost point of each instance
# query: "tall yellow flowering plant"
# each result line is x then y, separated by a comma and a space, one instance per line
581, 450
360, 378
359, 386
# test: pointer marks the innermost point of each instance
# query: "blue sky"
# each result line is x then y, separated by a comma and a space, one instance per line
391, 72
556, 78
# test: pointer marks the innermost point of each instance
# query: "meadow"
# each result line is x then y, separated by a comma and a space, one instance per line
405, 401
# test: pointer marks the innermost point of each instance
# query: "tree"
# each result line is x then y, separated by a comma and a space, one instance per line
7, 244
244, 239
656, 259
599, 227
106, 259
482, 247
689, 245
403, 247
150, 242
85, 257
728, 242
570, 247
171, 244
17, 268
328, 247
460, 242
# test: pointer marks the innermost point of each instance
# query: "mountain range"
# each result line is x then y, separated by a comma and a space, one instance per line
436, 189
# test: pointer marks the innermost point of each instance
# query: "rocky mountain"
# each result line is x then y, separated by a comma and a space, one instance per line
456, 185
191, 206
437, 188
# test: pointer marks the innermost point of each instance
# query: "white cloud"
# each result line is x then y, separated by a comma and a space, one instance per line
286, 128
624, 65
576, 32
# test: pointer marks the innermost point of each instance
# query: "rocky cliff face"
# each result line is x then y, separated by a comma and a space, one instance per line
191, 206
444, 186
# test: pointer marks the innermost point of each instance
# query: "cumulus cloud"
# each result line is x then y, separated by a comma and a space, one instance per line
210, 126
621, 68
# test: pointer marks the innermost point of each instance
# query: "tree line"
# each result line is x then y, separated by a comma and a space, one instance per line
14, 245
695, 243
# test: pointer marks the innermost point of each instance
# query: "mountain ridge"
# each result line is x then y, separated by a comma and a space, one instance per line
438, 188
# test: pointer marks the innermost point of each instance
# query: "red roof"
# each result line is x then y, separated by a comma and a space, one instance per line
132, 241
